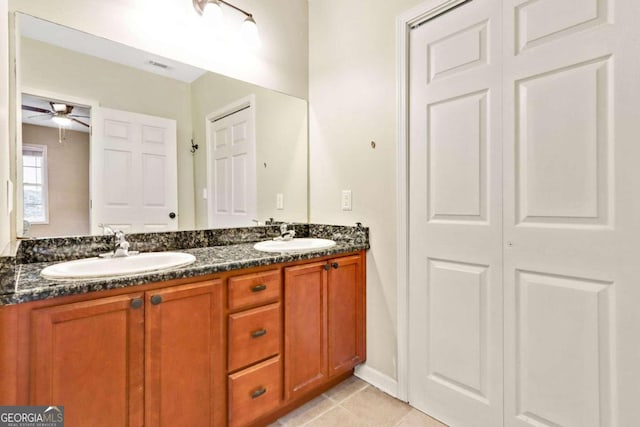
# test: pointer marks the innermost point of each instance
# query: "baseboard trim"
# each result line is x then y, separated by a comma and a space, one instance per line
377, 379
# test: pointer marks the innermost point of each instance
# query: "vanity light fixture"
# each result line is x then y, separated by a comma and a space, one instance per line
212, 9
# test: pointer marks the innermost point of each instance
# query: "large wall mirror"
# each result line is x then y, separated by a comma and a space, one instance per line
107, 134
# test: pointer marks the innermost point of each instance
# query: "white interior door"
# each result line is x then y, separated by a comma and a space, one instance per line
455, 304
232, 169
134, 177
572, 213
571, 231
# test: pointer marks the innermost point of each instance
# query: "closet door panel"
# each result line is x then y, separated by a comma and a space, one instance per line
571, 210
455, 216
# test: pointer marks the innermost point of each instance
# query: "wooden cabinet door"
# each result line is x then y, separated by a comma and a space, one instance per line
88, 357
346, 314
184, 356
305, 328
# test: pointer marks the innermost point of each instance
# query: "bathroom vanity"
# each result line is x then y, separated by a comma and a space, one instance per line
237, 338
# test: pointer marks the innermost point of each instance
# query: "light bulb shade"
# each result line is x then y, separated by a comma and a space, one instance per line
212, 12
61, 120
250, 34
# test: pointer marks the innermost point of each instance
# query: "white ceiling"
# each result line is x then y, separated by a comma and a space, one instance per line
78, 41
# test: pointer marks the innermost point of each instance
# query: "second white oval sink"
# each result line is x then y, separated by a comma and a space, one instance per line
93, 268
294, 245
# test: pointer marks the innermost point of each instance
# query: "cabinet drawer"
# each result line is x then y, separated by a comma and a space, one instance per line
254, 335
254, 289
255, 391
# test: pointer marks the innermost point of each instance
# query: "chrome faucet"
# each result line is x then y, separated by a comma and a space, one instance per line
121, 248
106, 230
285, 234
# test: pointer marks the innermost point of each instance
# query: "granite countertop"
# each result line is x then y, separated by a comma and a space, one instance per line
21, 282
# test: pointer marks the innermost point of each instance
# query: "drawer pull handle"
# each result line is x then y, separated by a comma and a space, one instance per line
259, 288
259, 392
259, 333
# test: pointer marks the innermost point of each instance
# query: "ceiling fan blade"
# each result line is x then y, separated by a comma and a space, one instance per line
42, 116
82, 123
35, 109
75, 115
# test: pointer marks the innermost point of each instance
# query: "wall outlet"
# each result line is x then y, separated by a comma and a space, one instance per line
280, 201
346, 200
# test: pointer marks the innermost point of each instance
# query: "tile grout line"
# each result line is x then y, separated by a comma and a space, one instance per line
401, 419
322, 413
349, 397
335, 404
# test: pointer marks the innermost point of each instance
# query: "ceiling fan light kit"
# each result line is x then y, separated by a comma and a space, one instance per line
61, 120
212, 11
61, 108
60, 113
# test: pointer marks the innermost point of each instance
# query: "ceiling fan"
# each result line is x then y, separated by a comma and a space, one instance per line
60, 113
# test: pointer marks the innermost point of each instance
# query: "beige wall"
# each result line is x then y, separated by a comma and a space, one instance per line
5, 220
68, 181
352, 98
281, 143
112, 85
174, 30
352, 95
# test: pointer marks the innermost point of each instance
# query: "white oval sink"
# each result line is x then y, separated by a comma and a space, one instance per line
294, 245
92, 268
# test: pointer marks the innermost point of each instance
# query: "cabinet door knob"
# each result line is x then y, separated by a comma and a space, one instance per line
259, 392
156, 299
259, 333
136, 303
172, 215
259, 288
327, 267
335, 265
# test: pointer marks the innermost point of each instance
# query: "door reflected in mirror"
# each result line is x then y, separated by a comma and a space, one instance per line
254, 168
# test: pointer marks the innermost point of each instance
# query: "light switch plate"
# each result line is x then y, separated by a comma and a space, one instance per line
346, 200
280, 201
204, 194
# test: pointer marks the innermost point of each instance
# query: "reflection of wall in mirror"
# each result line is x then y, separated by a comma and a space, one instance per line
281, 145
68, 178
112, 85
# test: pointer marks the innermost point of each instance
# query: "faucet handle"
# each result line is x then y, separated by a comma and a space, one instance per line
106, 230
283, 228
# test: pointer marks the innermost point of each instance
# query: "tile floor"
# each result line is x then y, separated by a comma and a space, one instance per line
355, 403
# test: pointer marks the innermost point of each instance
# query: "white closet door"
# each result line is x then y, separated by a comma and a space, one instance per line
232, 170
134, 172
455, 327
572, 213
